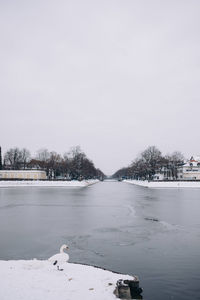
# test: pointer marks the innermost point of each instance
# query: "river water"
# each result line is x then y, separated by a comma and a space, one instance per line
153, 233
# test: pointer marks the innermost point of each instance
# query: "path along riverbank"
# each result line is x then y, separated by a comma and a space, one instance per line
165, 184
46, 183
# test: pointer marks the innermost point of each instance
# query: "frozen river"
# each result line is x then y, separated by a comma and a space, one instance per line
154, 234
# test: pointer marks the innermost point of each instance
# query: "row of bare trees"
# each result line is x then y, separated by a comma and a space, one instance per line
151, 161
72, 165
17, 158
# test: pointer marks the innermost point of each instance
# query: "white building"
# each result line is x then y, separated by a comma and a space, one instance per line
22, 174
163, 174
190, 170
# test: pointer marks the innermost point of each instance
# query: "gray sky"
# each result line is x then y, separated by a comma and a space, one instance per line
112, 76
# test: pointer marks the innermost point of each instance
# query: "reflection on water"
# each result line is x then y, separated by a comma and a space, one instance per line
152, 233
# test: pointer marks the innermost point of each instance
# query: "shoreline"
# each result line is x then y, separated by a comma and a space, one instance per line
40, 279
40, 183
164, 184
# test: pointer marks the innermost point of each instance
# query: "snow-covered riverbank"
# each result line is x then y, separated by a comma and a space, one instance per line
37, 183
39, 280
165, 184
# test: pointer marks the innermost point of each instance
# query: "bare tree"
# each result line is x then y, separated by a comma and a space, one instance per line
172, 162
79, 166
25, 157
43, 155
13, 158
76, 157
54, 164
151, 157
176, 157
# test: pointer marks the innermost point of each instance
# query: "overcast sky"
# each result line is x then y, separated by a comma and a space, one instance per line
113, 76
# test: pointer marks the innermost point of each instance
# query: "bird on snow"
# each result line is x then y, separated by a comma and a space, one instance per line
60, 258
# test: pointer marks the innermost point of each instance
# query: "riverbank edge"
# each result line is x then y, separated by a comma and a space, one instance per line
40, 279
164, 184
40, 183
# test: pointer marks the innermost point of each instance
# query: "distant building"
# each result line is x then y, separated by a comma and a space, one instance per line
159, 176
190, 170
22, 174
35, 164
163, 174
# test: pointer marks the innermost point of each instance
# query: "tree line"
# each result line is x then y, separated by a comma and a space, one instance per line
150, 162
72, 165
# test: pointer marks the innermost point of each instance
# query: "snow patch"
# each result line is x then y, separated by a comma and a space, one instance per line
36, 279
46, 183
165, 184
